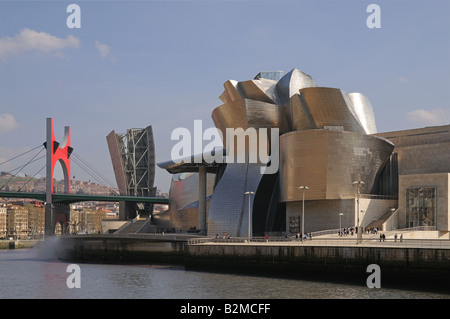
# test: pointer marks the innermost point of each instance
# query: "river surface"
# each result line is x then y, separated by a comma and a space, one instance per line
27, 274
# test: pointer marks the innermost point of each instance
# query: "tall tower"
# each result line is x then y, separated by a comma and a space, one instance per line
133, 159
56, 153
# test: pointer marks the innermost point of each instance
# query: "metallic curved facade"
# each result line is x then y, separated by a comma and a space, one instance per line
260, 90
324, 141
328, 161
251, 113
318, 107
183, 202
364, 112
228, 210
291, 83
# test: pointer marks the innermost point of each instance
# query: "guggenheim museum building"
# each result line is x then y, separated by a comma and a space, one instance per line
333, 168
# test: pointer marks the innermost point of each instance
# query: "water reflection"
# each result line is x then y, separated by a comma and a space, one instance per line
25, 275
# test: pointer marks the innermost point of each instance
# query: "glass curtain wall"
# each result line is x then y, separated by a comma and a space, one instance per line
420, 207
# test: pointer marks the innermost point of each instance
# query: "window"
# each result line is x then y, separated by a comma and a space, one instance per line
420, 206
294, 224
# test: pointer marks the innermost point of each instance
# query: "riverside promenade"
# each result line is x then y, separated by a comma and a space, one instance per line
418, 262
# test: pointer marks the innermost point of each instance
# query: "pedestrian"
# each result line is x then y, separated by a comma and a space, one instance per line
401, 237
395, 237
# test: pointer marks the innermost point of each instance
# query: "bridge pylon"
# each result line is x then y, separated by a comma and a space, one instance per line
56, 153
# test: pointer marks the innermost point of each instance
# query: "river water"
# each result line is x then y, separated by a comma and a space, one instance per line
29, 274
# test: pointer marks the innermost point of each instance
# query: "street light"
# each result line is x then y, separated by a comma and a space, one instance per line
359, 237
303, 210
249, 193
340, 223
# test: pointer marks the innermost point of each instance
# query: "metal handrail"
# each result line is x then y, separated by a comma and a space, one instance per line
368, 241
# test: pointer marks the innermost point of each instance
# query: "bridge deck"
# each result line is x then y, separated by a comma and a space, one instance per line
73, 198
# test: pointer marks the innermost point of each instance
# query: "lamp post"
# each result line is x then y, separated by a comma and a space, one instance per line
359, 237
340, 223
303, 209
249, 193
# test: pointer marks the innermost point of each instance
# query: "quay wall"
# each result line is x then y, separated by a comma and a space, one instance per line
429, 266
414, 266
118, 249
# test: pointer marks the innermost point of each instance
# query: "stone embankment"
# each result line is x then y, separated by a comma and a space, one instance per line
330, 260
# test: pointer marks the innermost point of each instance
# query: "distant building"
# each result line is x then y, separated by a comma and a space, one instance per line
36, 221
3, 228
422, 165
84, 220
17, 222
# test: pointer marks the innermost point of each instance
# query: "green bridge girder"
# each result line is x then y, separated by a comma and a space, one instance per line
74, 198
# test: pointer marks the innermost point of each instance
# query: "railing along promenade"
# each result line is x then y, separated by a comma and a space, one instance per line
331, 238
344, 241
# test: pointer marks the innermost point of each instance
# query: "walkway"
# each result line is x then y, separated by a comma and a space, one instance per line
372, 240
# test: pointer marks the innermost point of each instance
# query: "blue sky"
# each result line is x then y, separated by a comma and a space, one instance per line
163, 63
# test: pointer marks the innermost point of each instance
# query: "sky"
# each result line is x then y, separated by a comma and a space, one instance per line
131, 64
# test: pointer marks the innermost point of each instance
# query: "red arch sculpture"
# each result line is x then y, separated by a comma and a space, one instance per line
56, 152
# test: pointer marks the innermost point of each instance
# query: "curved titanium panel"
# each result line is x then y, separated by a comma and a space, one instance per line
328, 162
230, 115
317, 107
263, 90
228, 210
231, 93
291, 83
364, 112
266, 115
249, 114
183, 201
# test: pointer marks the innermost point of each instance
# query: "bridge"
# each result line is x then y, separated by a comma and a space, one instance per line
56, 204
75, 198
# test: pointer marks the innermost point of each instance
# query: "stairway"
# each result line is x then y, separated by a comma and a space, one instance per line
379, 222
132, 227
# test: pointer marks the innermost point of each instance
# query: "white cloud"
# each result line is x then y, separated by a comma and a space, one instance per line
103, 49
30, 40
7, 122
433, 117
